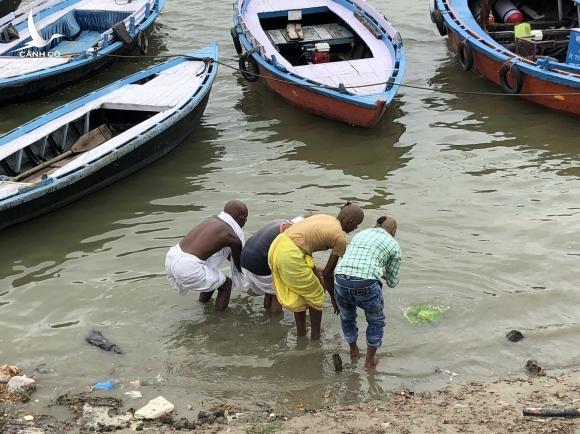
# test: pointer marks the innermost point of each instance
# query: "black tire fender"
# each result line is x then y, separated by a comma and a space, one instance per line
236, 40
438, 18
512, 69
249, 67
464, 55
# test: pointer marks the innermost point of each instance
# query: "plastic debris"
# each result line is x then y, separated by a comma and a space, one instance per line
422, 313
97, 339
155, 408
105, 385
135, 384
28, 418
551, 412
134, 394
20, 382
7, 372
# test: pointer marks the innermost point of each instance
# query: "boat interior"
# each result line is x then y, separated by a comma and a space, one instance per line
313, 35
58, 147
548, 34
81, 29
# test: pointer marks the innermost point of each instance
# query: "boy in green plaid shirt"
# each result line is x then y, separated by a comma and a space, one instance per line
372, 254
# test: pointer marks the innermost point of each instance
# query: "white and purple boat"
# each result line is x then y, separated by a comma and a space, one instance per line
340, 59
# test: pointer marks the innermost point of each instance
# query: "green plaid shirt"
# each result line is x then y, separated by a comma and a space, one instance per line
369, 253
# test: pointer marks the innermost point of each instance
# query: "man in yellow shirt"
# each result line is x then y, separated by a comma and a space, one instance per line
297, 283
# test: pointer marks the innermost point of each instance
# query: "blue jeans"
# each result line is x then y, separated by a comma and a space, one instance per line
353, 292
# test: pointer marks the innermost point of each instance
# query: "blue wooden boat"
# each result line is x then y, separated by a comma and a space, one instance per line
89, 143
340, 59
7, 6
531, 47
49, 43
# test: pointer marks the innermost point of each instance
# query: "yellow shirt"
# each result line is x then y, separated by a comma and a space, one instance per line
317, 234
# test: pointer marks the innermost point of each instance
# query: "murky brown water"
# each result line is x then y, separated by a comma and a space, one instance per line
487, 192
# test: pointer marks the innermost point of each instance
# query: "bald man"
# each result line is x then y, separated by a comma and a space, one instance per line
371, 254
193, 264
298, 285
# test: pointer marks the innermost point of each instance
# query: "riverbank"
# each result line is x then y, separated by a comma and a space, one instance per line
473, 407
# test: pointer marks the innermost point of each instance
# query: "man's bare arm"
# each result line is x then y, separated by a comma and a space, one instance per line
328, 277
235, 245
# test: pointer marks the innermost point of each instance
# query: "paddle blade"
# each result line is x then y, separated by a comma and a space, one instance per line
92, 139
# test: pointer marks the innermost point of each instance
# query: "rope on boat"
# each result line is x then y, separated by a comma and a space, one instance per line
341, 89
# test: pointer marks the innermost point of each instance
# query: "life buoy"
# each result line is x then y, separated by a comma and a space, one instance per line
248, 67
236, 39
516, 75
464, 55
438, 18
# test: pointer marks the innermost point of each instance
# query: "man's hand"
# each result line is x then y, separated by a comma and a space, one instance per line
335, 305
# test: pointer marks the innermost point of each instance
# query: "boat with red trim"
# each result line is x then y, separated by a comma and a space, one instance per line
340, 59
531, 48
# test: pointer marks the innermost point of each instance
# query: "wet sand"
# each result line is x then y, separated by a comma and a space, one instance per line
473, 407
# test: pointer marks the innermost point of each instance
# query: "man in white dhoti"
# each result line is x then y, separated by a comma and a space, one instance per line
193, 264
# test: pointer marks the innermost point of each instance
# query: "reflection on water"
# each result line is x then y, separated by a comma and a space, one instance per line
485, 191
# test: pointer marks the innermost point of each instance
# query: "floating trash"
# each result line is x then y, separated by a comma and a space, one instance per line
422, 313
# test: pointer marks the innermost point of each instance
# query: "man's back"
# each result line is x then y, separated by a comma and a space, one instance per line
318, 233
207, 238
255, 252
369, 252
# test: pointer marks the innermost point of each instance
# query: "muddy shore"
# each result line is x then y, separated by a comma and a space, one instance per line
470, 407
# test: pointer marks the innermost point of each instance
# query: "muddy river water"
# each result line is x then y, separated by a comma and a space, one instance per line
486, 191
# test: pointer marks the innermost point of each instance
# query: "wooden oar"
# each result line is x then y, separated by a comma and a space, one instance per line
85, 143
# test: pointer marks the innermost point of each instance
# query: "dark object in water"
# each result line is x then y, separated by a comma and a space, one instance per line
551, 412
515, 336
533, 368
75, 402
97, 339
337, 362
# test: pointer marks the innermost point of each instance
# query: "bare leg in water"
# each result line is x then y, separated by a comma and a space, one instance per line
315, 321
223, 298
354, 352
300, 318
372, 359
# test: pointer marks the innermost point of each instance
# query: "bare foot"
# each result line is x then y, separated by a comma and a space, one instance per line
371, 363
354, 352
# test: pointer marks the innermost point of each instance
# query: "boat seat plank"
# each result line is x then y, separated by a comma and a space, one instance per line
122, 6
12, 66
83, 42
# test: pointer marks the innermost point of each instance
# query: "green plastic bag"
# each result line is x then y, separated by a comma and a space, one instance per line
422, 313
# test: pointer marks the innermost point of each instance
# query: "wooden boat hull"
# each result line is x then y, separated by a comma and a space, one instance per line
129, 163
8, 6
553, 87
490, 69
323, 105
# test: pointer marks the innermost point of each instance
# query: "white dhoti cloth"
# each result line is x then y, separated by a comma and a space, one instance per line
259, 285
186, 272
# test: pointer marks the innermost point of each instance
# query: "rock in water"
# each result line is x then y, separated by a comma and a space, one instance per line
97, 339
155, 408
515, 336
532, 368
